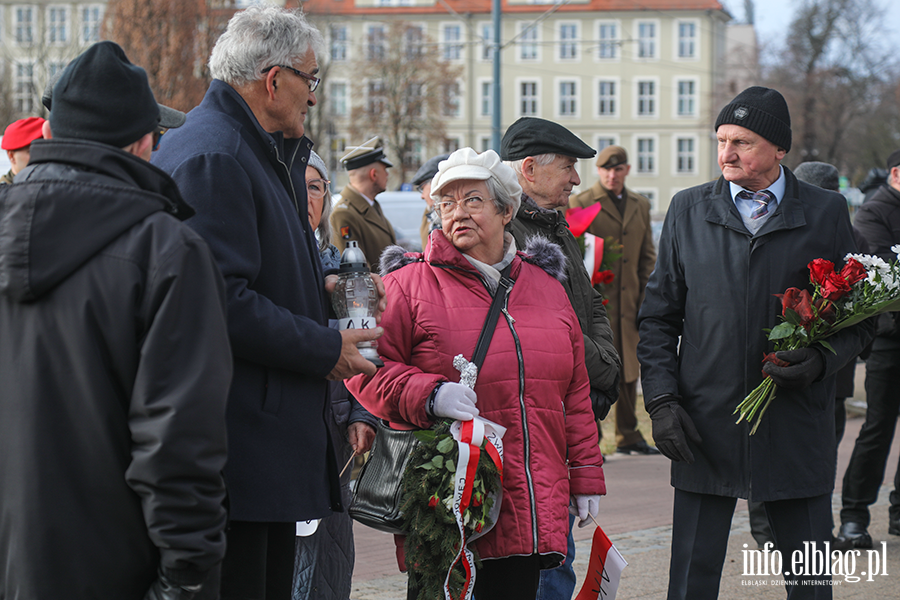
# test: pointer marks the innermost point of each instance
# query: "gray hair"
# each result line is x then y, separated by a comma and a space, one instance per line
540, 159
324, 228
259, 37
502, 197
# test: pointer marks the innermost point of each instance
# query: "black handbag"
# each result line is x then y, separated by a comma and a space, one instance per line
377, 494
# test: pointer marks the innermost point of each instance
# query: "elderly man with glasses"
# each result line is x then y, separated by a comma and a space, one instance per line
241, 160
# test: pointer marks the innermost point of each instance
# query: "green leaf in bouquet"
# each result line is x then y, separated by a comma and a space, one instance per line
791, 316
451, 466
828, 346
424, 435
438, 461
781, 331
446, 445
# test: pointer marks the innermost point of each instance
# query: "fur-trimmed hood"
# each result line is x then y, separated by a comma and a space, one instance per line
539, 251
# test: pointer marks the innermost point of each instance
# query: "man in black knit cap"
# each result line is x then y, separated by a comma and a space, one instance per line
727, 247
114, 358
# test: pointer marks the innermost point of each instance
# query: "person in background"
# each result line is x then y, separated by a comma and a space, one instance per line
357, 214
878, 220
543, 155
323, 561
422, 181
727, 247
625, 217
17, 142
114, 358
239, 157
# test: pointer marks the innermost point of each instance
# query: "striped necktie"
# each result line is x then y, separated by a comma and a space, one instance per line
761, 198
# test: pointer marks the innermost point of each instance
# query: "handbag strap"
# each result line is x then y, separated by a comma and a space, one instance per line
490, 323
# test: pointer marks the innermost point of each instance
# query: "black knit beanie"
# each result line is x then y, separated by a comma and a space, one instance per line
762, 111
104, 98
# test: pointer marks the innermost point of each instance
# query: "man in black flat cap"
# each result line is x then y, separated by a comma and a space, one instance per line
357, 214
543, 155
114, 358
422, 180
727, 247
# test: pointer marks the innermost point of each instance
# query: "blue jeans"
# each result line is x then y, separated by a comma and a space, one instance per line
559, 583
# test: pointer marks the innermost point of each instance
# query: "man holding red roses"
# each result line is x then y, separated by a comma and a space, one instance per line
727, 248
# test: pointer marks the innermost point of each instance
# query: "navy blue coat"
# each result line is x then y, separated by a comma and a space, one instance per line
251, 209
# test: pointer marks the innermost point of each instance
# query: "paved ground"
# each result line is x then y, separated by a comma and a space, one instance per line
637, 515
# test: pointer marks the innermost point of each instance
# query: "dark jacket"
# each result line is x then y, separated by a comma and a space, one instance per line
600, 355
114, 373
251, 209
878, 220
701, 328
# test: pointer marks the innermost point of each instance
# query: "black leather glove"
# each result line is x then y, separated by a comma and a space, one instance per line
672, 428
166, 589
806, 365
602, 401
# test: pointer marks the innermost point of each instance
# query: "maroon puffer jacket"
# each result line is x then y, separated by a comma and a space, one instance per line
533, 382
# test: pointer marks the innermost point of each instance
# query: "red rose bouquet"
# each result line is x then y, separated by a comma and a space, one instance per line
866, 286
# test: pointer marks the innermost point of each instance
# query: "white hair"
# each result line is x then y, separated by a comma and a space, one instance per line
539, 159
259, 37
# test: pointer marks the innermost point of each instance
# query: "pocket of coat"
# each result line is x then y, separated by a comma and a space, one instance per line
272, 399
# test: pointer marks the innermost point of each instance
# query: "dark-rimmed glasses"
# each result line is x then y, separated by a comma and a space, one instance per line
311, 80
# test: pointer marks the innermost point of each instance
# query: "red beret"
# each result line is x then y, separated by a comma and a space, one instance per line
21, 133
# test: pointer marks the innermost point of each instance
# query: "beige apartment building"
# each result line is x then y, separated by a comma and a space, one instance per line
647, 75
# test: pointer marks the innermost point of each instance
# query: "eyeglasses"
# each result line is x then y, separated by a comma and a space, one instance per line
311, 80
157, 136
472, 205
316, 188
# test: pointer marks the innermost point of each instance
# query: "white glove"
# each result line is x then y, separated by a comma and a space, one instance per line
455, 401
584, 506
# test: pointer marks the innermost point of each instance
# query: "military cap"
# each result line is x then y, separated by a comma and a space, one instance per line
611, 157
428, 169
530, 136
365, 154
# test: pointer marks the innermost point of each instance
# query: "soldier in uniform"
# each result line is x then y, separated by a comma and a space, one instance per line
357, 215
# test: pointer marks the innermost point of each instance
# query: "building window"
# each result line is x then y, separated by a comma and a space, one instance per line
338, 149
452, 45
57, 25
23, 87
337, 99
687, 98
412, 42
607, 98
54, 68
487, 98
685, 158
487, 44
452, 97
412, 154
568, 98
24, 24
646, 39
608, 41
646, 98
646, 155
413, 99
528, 41
91, 17
451, 144
338, 43
687, 39
528, 99
375, 43
568, 41
375, 97
604, 141
485, 143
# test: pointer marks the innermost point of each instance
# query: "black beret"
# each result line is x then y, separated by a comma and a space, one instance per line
893, 160
530, 136
104, 98
762, 111
426, 171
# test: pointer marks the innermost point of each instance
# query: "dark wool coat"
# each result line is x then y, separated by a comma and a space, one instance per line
251, 209
701, 328
114, 373
533, 382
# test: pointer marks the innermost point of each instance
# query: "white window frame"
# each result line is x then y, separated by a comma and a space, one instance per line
334, 103
637, 160
90, 30
617, 97
484, 142
639, 97
369, 46
417, 48
651, 193
676, 97
615, 43
23, 32
573, 42
459, 99
368, 83
676, 154
677, 39
524, 29
486, 47
558, 84
23, 88
534, 99
451, 143
452, 50
341, 45
485, 102
601, 138
642, 42
65, 27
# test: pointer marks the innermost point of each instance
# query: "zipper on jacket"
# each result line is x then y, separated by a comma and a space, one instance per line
525, 437
290, 180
